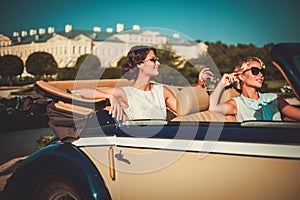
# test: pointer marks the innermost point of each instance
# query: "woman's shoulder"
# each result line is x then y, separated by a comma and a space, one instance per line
120, 91
268, 96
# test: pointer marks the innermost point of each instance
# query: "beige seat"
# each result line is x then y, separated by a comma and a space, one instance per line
229, 94
188, 110
206, 116
191, 100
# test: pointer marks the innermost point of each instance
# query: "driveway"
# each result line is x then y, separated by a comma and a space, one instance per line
16, 146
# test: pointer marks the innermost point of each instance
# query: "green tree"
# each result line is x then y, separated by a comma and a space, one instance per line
112, 72
89, 67
193, 66
122, 61
41, 64
169, 70
66, 73
227, 57
11, 66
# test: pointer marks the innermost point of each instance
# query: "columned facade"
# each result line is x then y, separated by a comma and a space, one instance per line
66, 46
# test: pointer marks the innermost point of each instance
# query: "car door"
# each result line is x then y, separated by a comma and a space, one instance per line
208, 161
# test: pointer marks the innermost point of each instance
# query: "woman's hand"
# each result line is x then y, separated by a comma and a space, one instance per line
227, 79
118, 102
116, 109
204, 74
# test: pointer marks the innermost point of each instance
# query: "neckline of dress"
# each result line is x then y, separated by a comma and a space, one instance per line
152, 86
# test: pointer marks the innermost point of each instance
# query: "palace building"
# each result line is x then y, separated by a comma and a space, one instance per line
109, 45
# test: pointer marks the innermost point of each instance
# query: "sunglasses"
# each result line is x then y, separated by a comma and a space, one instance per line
255, 71
155, 59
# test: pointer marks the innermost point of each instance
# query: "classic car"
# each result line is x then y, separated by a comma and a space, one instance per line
195, 154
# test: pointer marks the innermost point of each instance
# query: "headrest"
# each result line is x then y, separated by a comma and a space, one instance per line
229, 94
191, 100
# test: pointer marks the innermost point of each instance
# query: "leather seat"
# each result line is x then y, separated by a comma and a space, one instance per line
188, 110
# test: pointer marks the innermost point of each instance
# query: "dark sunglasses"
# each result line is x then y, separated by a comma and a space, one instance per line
155, 59
255, 71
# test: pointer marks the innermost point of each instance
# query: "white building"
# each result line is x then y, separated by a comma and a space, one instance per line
66, 46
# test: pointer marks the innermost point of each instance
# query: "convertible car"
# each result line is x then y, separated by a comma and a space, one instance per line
195, 154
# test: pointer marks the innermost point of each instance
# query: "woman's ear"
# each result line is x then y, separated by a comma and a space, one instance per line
241, 77
140, 66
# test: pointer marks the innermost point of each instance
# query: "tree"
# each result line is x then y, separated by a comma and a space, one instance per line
11, 66
169, 72
227, 57
66, 73
112, 72
40, 64
89, 67
122, 61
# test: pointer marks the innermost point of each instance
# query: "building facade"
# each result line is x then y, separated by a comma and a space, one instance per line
109, 46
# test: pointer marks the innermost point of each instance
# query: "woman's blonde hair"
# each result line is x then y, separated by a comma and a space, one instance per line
242, 66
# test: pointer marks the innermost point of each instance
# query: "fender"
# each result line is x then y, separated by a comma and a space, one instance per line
57, 159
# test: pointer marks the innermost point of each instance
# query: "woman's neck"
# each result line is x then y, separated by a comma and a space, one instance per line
250, 93
142, 83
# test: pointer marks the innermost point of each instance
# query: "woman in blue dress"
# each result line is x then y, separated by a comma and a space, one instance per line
249, 76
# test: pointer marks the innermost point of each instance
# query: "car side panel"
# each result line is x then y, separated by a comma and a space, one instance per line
214, 176
58, 159
99, 155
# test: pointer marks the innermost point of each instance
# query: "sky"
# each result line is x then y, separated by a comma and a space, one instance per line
234, 22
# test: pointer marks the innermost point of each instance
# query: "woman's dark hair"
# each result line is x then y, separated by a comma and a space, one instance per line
135, 56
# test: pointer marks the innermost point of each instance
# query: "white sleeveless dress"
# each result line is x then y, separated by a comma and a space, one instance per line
265, 108
145, 104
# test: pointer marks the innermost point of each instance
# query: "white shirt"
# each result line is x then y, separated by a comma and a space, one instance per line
145, 104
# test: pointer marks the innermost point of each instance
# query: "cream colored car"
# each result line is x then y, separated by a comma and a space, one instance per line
196, 154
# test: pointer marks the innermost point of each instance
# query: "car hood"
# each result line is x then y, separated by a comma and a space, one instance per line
286, 57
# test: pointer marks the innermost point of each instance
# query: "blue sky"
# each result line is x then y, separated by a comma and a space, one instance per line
230, 21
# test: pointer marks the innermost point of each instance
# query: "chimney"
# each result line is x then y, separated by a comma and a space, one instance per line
16, 34
42, 31
24, 33
68, 28
50, 29
32, 32
136, 27
120, 27
97, 29
109, 30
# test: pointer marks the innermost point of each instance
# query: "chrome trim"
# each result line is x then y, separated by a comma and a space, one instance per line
238, 148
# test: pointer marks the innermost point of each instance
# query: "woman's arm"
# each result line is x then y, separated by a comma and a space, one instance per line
170, 99
116, 96
98, 93
227, 108
288, 110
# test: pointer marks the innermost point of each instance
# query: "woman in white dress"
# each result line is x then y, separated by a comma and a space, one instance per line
144, 99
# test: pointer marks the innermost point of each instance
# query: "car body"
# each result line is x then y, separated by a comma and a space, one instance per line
216, 158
